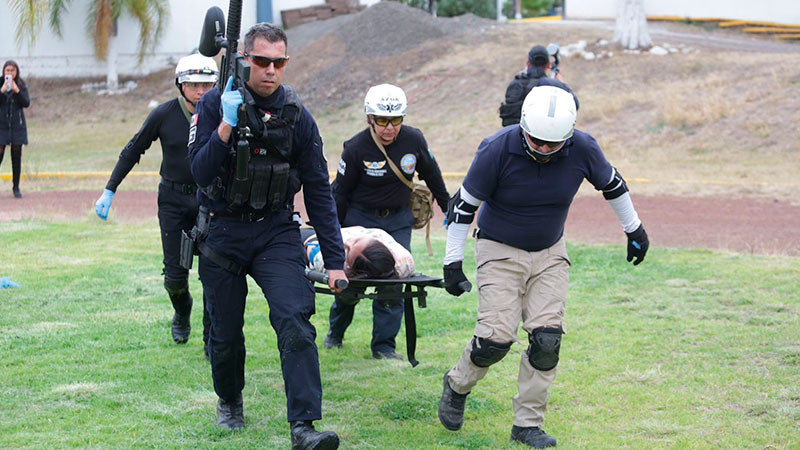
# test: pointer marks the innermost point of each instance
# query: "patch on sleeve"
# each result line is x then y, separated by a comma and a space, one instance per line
342, 167
408, 162
193, 130
431, 154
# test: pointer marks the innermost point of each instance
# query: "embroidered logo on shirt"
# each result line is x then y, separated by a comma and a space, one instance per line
375, 168
408, 162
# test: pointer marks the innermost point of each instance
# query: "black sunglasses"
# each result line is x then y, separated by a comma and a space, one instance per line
263, 61
385, 121
541, 143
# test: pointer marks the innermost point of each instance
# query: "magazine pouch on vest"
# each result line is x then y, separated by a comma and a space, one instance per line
271, 180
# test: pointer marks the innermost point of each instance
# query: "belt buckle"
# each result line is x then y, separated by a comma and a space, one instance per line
381, 213
187, 188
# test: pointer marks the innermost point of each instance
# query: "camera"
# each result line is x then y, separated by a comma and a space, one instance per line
8, 78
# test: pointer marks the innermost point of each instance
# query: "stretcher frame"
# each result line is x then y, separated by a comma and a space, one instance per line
413, 288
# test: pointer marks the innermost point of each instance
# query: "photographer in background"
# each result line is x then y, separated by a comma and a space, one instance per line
13, 131
534, 74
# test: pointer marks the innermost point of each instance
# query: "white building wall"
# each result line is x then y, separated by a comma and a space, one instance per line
73, 56
779, 11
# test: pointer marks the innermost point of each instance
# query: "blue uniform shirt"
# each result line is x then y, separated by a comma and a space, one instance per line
525, 202
208, 155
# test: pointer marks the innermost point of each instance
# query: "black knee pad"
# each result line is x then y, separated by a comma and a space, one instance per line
485, 352
544, 346
176, 286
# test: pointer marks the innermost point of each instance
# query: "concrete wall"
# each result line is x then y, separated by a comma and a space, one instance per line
73, 56
779, 11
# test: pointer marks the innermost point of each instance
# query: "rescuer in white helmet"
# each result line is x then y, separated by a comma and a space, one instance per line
526, 177
372, 190
177, 201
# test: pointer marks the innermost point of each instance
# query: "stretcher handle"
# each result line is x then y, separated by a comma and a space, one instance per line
465, 286
319, 277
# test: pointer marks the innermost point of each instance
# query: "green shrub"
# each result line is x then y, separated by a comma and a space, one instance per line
530, 8
482, 8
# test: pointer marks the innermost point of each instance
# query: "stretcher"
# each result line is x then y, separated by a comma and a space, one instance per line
412, 288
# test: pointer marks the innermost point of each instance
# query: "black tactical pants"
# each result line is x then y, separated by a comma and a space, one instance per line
177, 211
272, 253
386, 314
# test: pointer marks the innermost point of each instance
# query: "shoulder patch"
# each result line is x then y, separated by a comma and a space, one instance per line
408, 163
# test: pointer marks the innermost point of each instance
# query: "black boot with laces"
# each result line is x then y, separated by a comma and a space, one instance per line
451, 407
532, 436
304, 436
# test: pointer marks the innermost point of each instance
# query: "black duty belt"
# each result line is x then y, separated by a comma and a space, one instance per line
246, 217
379, 212
184, 188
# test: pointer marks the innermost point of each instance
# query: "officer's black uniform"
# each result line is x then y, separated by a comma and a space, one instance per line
369, 194
517, 90
264, 242
177, 201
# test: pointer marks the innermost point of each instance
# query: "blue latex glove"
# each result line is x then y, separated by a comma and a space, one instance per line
230, 104
103, 204
6, 282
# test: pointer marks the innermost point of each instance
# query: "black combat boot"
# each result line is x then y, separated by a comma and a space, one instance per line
332, 341
451, 407
230, 415
304, 436
181, 320
532, 436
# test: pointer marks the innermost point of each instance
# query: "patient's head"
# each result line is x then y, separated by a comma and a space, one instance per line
368, 258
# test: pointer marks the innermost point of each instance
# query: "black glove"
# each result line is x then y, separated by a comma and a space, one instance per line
455, 282
637, 245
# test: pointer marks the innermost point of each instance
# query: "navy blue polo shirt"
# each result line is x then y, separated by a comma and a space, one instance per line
525, 202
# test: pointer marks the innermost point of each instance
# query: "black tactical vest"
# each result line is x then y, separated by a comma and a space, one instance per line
271, 179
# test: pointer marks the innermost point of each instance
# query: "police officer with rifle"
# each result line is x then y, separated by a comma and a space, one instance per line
251, 148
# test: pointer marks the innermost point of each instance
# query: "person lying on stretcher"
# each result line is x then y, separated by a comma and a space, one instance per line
370, 253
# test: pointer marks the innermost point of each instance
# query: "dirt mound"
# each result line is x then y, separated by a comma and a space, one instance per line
336, 60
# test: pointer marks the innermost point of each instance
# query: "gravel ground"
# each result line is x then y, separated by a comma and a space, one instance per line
337, 59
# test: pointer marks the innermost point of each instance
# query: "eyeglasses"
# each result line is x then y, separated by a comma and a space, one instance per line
263, 61
553, 145
385, 121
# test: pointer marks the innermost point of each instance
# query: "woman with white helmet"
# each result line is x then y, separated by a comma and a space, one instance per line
526, 178
177, 203
370, 194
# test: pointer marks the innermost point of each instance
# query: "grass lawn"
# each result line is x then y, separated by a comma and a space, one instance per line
692, 349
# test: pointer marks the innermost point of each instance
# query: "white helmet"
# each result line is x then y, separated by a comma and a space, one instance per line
548, 114
196, 68
385, 100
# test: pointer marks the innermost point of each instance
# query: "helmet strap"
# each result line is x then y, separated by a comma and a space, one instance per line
180, 89
375, 132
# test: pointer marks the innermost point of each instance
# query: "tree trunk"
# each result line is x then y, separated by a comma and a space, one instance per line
432, 7
518, 9
631, 28
112, 78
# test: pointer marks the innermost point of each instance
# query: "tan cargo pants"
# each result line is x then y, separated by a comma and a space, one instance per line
516, 285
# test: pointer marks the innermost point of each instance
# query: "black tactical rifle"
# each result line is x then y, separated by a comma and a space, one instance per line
212, 40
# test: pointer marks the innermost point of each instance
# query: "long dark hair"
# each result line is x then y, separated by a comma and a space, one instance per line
17, 79
376, 262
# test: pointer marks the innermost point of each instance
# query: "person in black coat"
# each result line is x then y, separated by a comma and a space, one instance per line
13, 131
